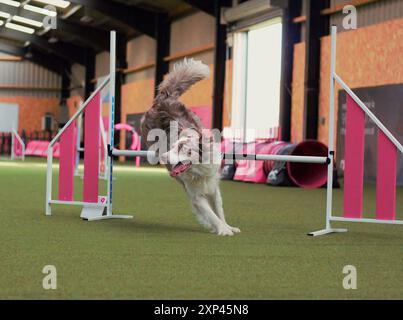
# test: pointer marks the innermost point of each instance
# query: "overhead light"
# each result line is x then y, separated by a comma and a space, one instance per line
18, 27
57, 3
1, 23
43, 11
28, 21
11, 3
4, 14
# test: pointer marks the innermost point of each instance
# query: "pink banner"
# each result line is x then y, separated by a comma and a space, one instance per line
66, 163
91, 146
386, 178
354, 160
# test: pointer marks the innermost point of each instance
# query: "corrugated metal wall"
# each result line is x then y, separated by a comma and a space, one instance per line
369, 14
373, 13
28, 74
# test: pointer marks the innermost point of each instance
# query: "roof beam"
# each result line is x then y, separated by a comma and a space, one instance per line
93, 37
316, 26
134, 17
12, 50
203, 5
291, 35
163, 38
66, 51
47, 61
219, 68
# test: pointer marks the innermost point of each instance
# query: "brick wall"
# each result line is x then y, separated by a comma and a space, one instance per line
32, 110
73, 103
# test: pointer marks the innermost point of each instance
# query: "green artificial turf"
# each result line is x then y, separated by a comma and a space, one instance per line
164, 254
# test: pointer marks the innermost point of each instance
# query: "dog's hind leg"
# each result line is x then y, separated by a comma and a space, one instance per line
218, 209
202, 219
203, 208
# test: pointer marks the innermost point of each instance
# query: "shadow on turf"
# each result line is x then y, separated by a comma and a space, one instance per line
147, 227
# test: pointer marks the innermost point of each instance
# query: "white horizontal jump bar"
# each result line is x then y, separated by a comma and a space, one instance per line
133, 153
305, 159
77, 203
273, 157
341, 219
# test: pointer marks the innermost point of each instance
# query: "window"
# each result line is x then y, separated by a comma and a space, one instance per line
256, 82
47, 123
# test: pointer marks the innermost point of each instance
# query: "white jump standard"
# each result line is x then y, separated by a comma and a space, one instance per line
94, 206
388, 146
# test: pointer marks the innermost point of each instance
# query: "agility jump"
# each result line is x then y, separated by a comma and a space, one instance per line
388, 146
97, 207
94, 205
17, 146
17, 149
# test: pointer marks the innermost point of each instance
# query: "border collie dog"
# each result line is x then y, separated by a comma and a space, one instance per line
183, 156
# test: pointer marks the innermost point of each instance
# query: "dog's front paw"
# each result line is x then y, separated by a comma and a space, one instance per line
224, 231
234, 229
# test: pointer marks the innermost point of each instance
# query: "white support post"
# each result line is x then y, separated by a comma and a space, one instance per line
112, 70
49, 179
329, 189
104, 175
133, 153
78, 145
12, 156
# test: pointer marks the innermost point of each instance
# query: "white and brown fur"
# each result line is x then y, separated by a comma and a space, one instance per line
200, 180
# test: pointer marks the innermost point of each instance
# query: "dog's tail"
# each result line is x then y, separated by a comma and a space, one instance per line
182, 77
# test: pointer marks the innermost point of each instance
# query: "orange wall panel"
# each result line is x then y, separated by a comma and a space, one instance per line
73, 103
297, 100
137, 97
32, 110
228, 94
201, 94
366, 57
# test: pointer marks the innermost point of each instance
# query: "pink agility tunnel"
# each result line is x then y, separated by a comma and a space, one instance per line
135, 137
136, 142
305, 175
308, 175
